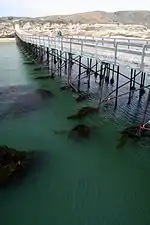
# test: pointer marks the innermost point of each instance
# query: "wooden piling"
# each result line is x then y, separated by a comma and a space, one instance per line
52, 61
88, 71
41, 59
60, 62
144, 79
69, 67
65, 61
107, 73
142, 91
130, 88
54, 57
47, 53
101, 83
133, 85
96, 68
112, 78
79, 76
117, 84
101, 75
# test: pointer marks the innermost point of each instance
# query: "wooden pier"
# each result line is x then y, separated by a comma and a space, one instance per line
79, 71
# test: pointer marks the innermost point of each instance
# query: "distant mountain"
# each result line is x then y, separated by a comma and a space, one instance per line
120, 17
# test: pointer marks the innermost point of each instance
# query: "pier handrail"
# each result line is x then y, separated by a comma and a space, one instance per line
67, 43
113, 39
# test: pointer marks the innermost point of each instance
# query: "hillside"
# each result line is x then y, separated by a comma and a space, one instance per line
120, 17
97, 23
124, 17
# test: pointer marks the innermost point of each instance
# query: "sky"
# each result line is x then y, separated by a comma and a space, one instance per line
60, 7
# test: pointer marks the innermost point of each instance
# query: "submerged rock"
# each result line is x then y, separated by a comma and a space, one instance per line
37, 68
42, 78
29, 62
129, 133
82, 97
13, 164
83, 112
41, 68
45, 77
79, 131
68, 88
64, 88
44, 93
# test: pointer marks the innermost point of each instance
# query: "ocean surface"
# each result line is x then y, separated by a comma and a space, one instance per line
86, 182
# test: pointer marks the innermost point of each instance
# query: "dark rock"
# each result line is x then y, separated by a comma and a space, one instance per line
52, 76
45, 77
82, 97
42, 78
64, 88
83, 112
29, 62
111, 81
142, 91
44, 93
12, 164
80, 131
129, 133
38, 69
132, 88
68, 88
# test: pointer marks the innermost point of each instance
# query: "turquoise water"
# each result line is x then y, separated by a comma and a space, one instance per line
81, 183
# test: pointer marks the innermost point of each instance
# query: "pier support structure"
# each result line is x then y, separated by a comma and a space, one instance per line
79, 70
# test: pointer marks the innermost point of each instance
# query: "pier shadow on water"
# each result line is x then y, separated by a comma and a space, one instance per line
84, 182
19, 100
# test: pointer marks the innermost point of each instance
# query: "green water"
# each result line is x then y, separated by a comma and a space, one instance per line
82, 183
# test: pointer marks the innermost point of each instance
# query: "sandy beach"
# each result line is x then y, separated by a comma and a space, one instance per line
7, 39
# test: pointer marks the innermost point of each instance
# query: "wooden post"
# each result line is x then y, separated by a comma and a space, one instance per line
41, 58
69, 67
131, 77
65, 62
55, 57
101, 83
96, 70
89, 63
47, 53
79, 77
112, 78
60, 62
133, 86
107, 73
117, 84
51, 61
142, 91
101, 75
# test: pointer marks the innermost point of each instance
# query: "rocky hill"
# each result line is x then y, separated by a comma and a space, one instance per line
123, 17
120, 17
98, 23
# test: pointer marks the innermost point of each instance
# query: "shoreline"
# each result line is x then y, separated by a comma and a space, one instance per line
7, 39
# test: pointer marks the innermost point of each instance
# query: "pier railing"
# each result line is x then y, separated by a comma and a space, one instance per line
91, 47
128, 40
